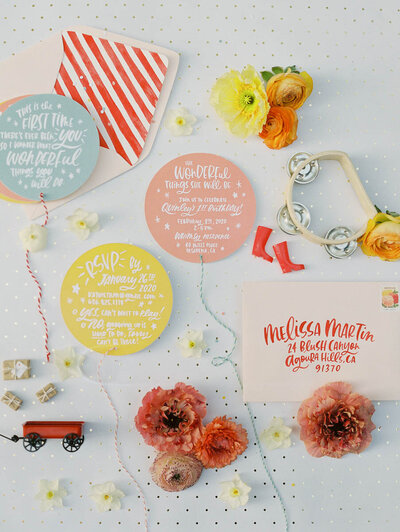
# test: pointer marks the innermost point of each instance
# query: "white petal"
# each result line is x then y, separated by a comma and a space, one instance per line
276, 422
195, 336
80, 213
83, 234
115, 504
92, 219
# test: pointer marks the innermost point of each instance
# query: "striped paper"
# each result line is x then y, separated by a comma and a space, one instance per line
117, 83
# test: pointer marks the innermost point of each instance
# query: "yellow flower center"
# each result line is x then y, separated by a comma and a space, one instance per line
106, 497
67, 363
247, 100
50, 494
276, 435
81, 223
32, 237
235, 492
180, 121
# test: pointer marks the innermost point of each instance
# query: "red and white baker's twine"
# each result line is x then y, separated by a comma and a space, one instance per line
139, 489
39, 299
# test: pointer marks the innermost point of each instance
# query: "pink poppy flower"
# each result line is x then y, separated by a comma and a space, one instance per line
171, 420
335, 421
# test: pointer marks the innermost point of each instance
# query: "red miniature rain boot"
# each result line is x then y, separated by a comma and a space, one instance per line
260, 241
282, 254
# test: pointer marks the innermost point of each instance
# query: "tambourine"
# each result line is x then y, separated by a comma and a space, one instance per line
294, 218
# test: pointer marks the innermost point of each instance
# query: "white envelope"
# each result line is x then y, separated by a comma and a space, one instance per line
35, 70
298, 336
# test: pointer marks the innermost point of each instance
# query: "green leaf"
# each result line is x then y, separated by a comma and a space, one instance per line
393, 213
377, 208
277, 70
292, 69
266, 75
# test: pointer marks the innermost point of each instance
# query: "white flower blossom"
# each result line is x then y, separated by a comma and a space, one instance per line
33, 237
106, 496
179, 121
277, 435
235, 492
82, 223
50, 494
68, 362
192, 344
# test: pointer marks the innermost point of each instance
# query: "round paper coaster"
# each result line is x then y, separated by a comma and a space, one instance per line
200, 204
48, 144
5, 193
116, 296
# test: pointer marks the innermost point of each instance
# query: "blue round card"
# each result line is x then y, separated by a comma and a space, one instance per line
48, 143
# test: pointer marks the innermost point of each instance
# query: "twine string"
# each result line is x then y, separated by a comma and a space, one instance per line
219, 361
40, 292
137, 485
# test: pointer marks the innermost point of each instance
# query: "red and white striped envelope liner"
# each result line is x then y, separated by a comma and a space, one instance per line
117, 83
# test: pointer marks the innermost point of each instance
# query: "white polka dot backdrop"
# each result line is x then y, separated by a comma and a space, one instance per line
351, 51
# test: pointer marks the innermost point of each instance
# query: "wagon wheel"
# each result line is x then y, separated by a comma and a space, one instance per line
72, 442
33, 442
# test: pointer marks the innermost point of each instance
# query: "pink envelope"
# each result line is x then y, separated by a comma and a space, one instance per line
298, 336
123, 83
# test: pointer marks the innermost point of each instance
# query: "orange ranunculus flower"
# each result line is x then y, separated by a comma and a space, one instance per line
382, 237
289, 89
221, 443
280, 129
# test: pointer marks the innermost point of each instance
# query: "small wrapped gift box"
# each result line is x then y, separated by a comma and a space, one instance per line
16, 369
46, 393
11, 400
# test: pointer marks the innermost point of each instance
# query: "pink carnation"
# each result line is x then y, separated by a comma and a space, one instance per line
335, 421
171, 420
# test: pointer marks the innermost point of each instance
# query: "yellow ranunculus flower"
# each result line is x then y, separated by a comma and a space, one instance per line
308, 81
289, 89
240, 99
382, 237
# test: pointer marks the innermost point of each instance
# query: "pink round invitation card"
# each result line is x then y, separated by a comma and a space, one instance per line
200, 204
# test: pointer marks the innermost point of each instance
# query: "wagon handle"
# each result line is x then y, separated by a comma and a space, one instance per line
14, 438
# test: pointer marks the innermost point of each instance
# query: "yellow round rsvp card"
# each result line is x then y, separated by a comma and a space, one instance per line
116, 296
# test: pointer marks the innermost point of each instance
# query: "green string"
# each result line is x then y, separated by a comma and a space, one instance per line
219, 361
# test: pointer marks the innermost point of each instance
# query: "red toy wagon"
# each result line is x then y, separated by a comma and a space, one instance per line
36, 433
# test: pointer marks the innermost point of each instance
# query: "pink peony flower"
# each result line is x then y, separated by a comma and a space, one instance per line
335, 421
171, 420
175, 472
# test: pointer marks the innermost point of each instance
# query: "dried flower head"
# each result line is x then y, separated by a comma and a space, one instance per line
175, 472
